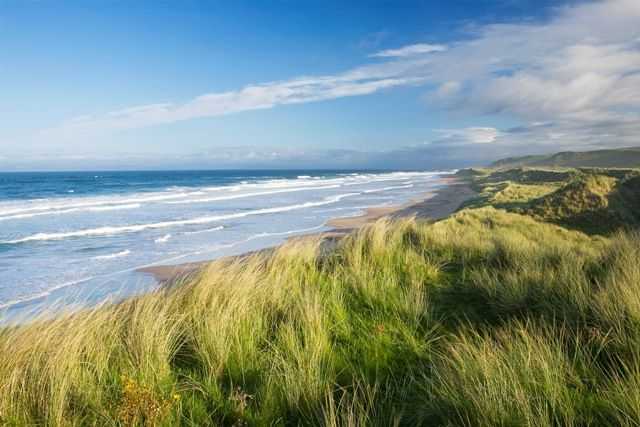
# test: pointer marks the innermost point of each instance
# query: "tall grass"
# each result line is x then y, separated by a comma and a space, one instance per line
486, 318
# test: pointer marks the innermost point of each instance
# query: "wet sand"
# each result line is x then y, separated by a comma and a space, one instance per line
435, 205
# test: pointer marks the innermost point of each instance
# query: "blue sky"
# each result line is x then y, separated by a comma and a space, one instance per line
422, 84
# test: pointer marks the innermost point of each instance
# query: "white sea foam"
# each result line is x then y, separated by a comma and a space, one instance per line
245, 195
114, 255
380, 190
48, 204
278, 183
173, 193
103, 231
163, 239
207, 230
285, 233
43, 293
72, 210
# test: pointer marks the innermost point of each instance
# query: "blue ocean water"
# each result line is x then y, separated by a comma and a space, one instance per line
78, 238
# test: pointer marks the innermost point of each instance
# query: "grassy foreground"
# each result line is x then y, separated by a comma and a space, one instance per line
486, 318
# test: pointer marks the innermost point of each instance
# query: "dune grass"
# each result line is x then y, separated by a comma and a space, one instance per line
592, 200
486, 318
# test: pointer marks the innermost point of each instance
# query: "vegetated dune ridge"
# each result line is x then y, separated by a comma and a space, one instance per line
592, 200
609, 158
493, 316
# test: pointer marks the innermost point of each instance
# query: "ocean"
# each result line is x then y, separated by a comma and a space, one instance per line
77, 238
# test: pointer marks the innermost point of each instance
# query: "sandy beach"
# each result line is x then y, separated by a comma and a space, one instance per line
434, 205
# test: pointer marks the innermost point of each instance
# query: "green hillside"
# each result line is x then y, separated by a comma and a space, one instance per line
612, 158
599, 201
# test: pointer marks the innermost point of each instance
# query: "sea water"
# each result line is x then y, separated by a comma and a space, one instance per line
79, 238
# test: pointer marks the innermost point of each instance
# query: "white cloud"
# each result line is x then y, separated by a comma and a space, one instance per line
448, 89
579, 71
583, 64
470, 135
411, 50
296, 91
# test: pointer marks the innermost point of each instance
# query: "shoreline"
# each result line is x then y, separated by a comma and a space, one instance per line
433, 205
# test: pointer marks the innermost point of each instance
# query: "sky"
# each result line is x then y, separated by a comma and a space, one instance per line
105, 84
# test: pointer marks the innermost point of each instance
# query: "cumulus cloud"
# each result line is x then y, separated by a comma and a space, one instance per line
582, 66
578, 72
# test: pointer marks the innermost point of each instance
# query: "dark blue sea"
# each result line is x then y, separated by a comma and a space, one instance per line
78, 238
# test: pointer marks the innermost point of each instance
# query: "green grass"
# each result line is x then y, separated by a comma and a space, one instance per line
595, 201
486, 318
583, 203
510, 195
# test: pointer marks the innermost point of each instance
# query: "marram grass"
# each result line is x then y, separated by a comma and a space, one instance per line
484, 319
